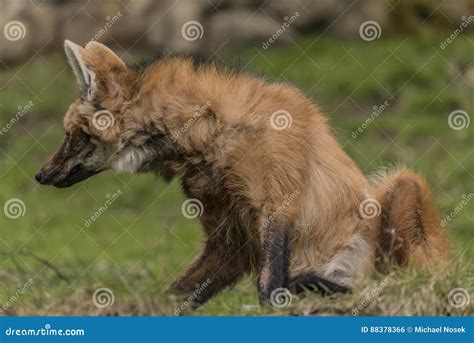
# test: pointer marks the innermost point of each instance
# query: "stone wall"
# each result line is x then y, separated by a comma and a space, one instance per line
204, 27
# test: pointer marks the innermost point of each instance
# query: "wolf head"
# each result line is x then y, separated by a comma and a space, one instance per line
96, 124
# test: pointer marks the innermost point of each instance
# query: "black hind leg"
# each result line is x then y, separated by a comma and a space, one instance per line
310, 281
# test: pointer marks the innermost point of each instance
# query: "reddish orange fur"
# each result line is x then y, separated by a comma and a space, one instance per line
244, 170
415, 234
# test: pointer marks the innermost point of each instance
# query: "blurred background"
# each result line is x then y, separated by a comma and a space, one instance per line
395, 78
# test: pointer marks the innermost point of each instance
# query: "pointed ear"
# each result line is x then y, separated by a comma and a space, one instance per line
91, 63
76, 57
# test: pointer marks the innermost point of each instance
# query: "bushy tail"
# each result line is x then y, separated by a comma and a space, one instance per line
409, 228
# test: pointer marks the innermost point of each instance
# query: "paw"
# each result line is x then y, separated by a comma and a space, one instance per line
311, 282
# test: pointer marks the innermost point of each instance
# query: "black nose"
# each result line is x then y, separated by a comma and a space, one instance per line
39, 176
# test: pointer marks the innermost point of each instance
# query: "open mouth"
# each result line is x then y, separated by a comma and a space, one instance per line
77, 174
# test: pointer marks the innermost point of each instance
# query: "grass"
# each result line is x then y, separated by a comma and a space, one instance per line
142, 242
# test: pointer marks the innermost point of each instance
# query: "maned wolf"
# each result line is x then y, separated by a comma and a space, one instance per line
280, 196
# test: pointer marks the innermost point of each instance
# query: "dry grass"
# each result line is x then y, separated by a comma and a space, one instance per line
139, 264
402, 293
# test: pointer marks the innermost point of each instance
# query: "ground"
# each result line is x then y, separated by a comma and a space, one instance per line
141, 243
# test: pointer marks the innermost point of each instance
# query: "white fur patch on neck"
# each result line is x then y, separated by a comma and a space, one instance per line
129, 160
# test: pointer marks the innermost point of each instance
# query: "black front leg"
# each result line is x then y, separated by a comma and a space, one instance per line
274, 261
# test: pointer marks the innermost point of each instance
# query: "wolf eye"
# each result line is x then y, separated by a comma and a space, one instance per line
89, 154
